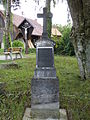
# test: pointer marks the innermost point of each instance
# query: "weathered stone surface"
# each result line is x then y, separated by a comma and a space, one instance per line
44, 91
45, 72
45, 43
46, 106
46, 115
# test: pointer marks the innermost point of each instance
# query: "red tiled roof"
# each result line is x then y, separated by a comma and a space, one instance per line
17, 20
37, 27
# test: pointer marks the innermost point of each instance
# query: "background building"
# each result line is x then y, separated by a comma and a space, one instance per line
34, 30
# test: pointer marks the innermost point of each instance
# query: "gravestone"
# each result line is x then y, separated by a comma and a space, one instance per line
45, 84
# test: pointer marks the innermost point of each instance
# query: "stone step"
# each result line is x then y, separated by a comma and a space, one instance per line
27, 115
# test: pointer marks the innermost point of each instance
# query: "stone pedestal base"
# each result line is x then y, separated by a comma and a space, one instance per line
45, 115
45, 93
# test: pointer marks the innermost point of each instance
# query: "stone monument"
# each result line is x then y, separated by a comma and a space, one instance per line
45, 84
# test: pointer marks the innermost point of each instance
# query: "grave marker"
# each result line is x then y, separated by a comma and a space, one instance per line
45, 84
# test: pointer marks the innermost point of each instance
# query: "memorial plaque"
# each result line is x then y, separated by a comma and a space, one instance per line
45, 57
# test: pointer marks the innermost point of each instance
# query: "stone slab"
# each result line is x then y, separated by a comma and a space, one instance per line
50, 106
28, 116
44, 91
45, 72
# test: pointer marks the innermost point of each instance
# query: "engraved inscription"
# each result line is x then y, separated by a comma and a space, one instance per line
45, 57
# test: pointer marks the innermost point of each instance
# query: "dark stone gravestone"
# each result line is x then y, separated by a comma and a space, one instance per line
45, 57
45, 84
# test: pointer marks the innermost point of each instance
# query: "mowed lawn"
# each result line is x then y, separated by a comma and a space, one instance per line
16, 93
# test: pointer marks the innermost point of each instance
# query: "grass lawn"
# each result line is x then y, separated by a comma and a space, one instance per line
74, 93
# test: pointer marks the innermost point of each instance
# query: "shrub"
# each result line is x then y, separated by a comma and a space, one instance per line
64, 45
17, 43
32, 50
1, 51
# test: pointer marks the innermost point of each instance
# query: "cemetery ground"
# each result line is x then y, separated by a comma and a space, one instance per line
15, 92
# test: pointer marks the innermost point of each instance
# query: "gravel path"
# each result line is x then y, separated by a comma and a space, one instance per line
2, 57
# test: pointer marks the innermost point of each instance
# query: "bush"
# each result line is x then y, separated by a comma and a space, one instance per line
17, 43
1, 51
64, 45
32, 50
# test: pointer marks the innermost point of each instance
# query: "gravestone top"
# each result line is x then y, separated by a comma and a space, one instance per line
45, 16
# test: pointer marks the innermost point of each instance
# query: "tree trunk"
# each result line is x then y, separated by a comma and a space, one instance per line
49, 20
26, 46
80, 13
7, 23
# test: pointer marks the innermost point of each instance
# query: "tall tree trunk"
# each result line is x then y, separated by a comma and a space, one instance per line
49, 20
26, 46
80, 13
7, 23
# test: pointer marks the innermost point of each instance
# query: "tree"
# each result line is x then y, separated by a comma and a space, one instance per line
7, 23
7, 6
80, 36
80, 13
64, 45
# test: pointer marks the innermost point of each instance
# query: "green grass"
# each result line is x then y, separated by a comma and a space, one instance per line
74, 93
1, 51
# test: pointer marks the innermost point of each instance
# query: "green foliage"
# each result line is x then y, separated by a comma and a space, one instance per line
64, 45
17, 43
5, 43
32, 50
1, 51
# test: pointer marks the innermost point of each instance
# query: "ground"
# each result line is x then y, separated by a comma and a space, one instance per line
16, 91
